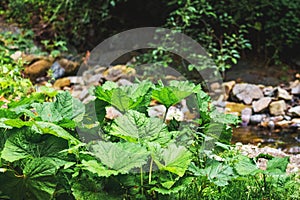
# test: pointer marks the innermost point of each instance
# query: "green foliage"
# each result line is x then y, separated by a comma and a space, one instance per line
57, 21
41, 155
11, 82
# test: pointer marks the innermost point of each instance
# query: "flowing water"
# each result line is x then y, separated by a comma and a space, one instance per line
287, 140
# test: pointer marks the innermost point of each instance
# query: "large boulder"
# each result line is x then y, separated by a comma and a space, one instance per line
37, 69
247, 92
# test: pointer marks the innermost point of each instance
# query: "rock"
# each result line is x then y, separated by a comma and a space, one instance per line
296, 90
62, 82
283, 123
112, 113
76, 80
296, 121
119, 71
283, 94
245, 115
29, 59
261, 104
295, 87
157, 111
70, 67
228, 87
277, 107
269, 91
37, 69
232, 107
215, 86
175, 113
247, 92
16, 56
258, 118
95, 79
295, 110
57, 70
124, 82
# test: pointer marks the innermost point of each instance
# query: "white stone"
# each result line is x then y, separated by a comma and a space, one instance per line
283, 94
295, 110
261, 104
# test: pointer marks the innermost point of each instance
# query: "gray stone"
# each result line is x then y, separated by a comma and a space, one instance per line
255, 119
124, 82
283, 94
295, 110
269, 91
295, 87
261, 104
247, 92
76, 80
277, 107
245, 115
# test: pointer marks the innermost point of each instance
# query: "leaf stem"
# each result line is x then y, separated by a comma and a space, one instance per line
142, 188
150, 170
165, 116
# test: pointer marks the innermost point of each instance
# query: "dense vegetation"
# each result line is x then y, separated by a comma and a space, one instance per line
224, 28
52, 146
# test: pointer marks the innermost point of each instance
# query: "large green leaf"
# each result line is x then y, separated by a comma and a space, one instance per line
244, 166
64, 107
36, 182
97, 168
47, 112
25, 143
277, 165
173, 94
135, 126
125, 97
179, 185
89, 189
120, 156
50, 128
215, 171
175, 159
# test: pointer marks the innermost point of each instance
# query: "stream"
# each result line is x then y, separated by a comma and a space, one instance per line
287, 140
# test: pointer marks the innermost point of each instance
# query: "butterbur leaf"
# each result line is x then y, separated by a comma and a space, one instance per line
134, 126
176, 187
245, 166
124, 97
47, 112
20, 145
64, 107
175, 159
277, 165
37, 180
173, 94
216, 172
18, 123
97, 168
89, 189
120, 156
53, 129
